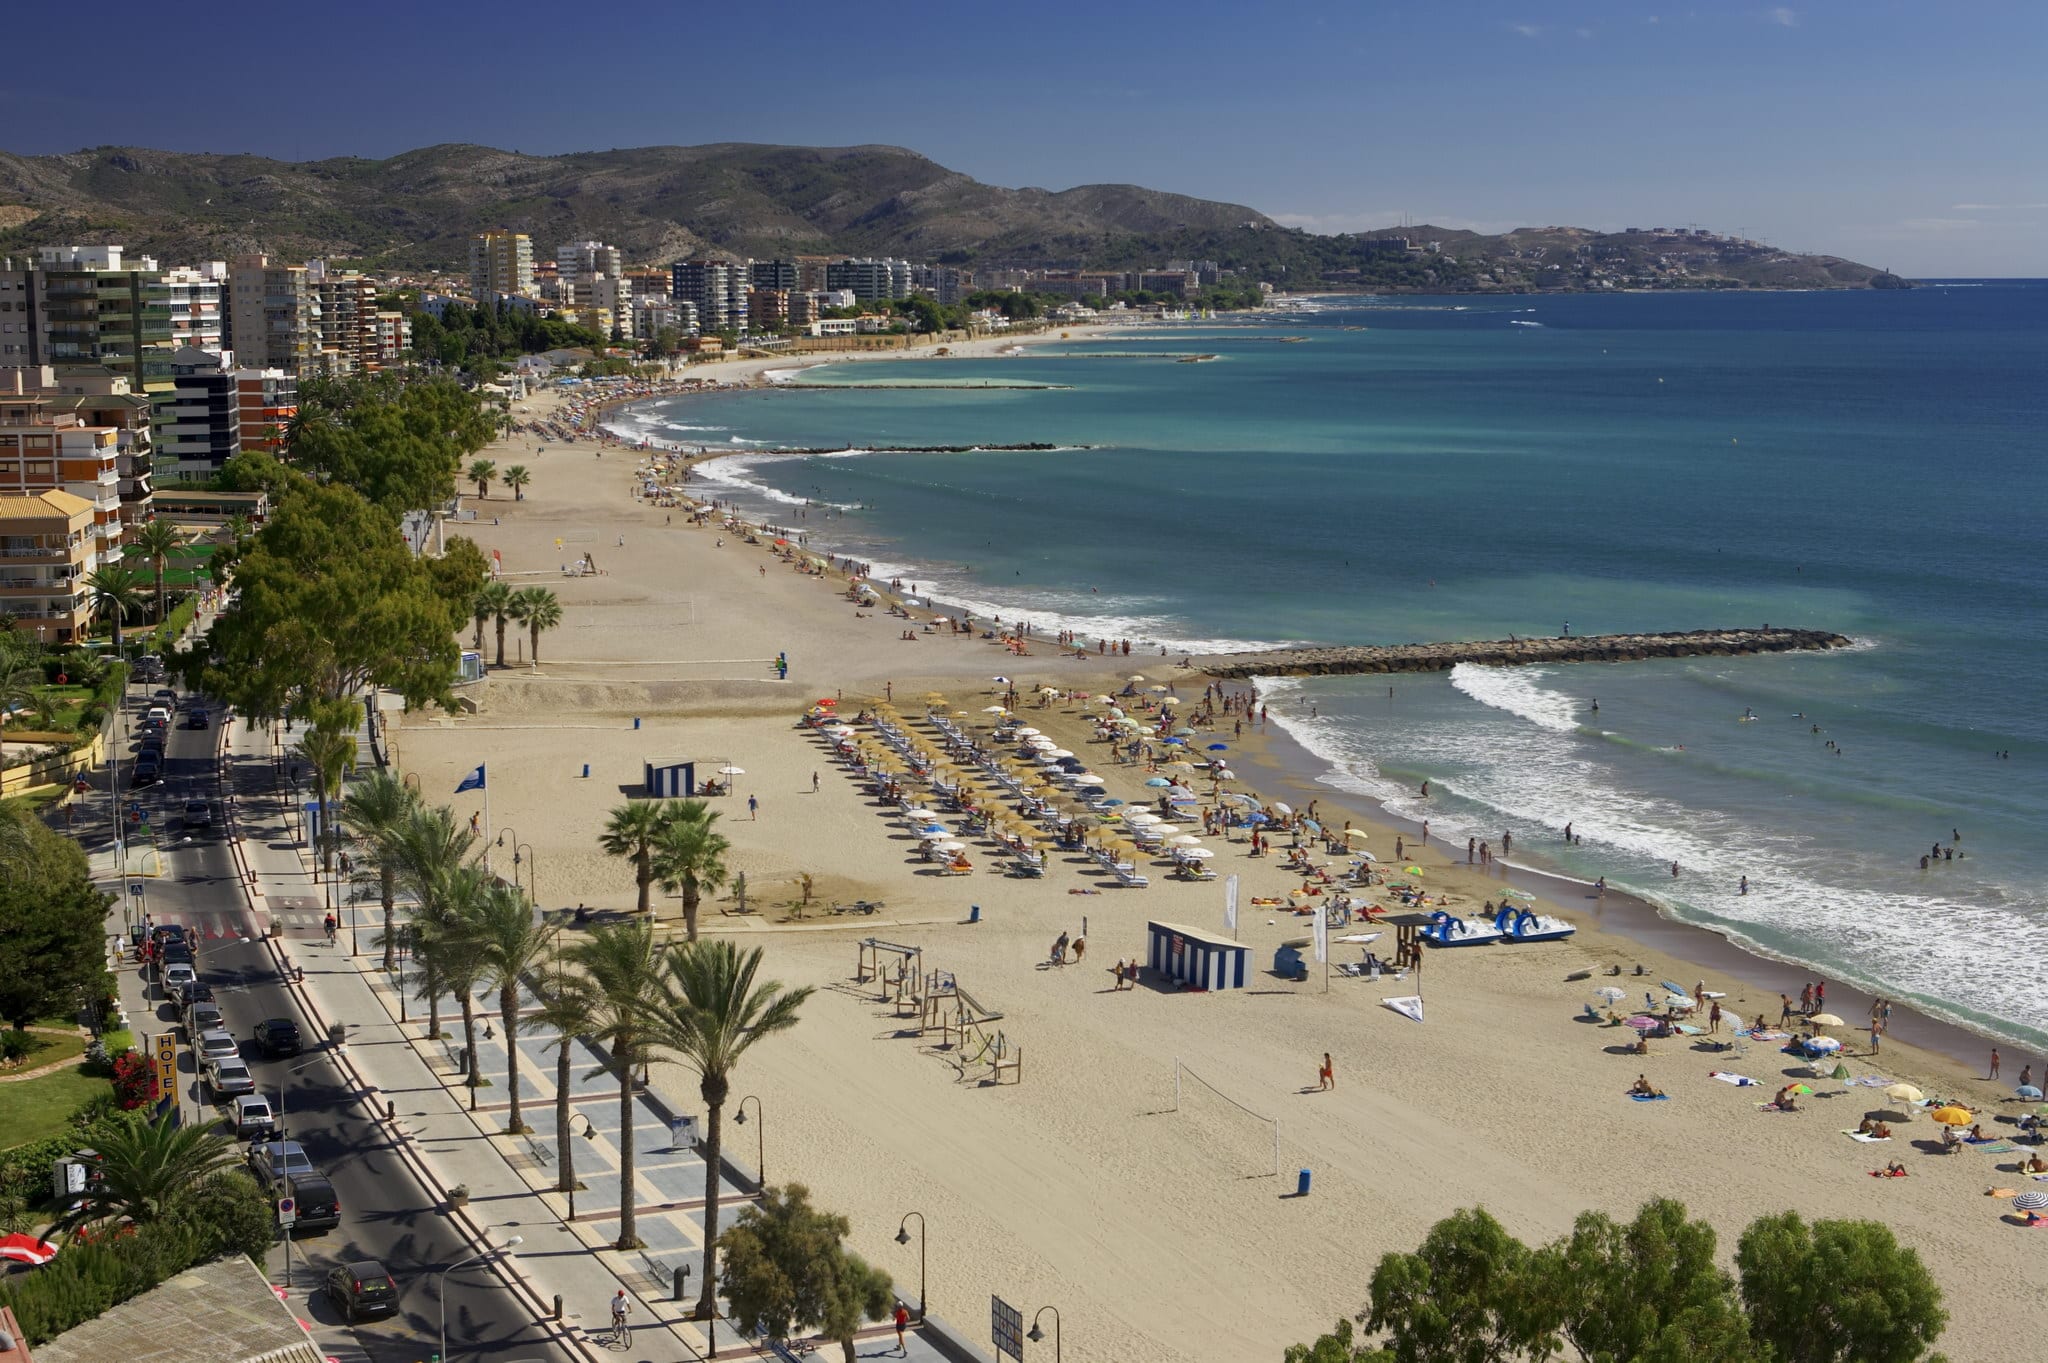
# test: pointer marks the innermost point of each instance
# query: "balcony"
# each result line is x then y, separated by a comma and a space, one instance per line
35, 553
17, 586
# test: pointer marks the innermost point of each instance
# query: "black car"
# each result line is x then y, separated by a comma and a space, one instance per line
318, 1205
195, 719
276, 1037
199, 991
362, 1289
147, 772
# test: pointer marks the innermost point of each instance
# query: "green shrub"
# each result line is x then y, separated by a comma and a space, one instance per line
15, 1046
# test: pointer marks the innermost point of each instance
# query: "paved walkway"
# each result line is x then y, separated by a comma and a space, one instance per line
511, 1179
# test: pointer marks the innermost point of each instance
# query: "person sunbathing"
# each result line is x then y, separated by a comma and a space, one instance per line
1641, 1088
2036, 1165
1785, 1100
1866, 1127
1895, 1170
1977, 1136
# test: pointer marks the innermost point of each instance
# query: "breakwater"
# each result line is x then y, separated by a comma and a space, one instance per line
1339, 660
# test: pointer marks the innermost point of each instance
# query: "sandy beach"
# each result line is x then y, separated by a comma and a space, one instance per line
1160, 1233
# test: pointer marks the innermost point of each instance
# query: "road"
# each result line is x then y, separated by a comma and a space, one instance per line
386, 1214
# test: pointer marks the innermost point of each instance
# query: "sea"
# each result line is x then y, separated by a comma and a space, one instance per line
1412, 469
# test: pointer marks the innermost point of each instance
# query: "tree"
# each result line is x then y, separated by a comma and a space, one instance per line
568, 1003
20, 689
116, 589
1836, 1292
787, 1268
1459, 1298
517, 476
630, 832
328, 600
496, 599
52, 948
711, 1015
459, 573
447, 929
481, 472
688, 857
1339, 1346
154, 542
329, 747
147, 1170
1639, 1292
622, 966
538, 609
228, 1210
374, 812
428, 848
513, 941
397, 443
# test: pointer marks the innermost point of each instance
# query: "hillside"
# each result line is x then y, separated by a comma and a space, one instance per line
418, 209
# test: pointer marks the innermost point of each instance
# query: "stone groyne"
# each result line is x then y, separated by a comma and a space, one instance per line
1593, 648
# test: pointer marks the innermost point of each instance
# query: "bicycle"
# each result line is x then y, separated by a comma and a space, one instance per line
619, 1336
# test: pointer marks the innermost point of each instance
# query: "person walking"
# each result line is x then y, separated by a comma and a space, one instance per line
753, 808
814, 783
1994, 1063
902, 1320
1327, 1076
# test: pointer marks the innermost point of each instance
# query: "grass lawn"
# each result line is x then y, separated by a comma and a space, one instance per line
36, 1108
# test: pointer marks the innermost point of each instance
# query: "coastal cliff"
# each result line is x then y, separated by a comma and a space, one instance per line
1596, 648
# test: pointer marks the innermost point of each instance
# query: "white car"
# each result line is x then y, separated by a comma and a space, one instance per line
227, 1077
218, 1045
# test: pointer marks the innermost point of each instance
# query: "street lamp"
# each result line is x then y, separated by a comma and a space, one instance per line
903, 1238
283, 1134
589, 1133
442, 1290
739, 1118
531, 858
1037, 1336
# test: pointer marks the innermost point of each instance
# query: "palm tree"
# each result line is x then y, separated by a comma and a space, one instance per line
19, 689
631, 832
330, 752
428, 847
517, 476
513, 941
452, 916
624, 971
374, 811
481, 472
480, 610
567, 1003
539, 609
497, 596
712, 1014
154, 543
689, 857
116, 588
147, 1168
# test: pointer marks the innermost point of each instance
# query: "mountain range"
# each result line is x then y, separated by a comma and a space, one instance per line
418, 210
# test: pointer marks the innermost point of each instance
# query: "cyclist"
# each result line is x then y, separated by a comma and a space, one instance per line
621, 1332
331, 926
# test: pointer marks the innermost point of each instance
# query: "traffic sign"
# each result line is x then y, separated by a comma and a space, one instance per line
287, 1211
1006, 1328
135, 887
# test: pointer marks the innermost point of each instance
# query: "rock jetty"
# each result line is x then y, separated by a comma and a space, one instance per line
1593, 648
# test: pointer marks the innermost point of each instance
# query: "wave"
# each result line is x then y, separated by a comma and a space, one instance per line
1518, 322
1514, 690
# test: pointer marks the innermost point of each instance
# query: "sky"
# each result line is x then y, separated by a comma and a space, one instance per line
1903, 133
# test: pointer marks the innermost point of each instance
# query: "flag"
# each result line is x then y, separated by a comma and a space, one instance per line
1322, 926
1408, 1007
1230, 905
473, 781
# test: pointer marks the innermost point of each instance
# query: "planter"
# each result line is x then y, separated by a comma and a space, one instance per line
458, 1196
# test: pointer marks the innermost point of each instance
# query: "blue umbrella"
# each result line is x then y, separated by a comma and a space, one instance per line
2028, 1091
1112, 802
1176, 742
1259, 818
1159, 781
1219, 747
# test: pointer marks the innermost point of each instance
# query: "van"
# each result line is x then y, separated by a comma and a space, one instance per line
253, 1118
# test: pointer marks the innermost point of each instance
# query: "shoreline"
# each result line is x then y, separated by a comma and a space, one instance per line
1698, 946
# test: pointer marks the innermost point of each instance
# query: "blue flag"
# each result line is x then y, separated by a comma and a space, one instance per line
473, 781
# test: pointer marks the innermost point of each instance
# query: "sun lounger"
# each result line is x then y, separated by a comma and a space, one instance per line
1130, 879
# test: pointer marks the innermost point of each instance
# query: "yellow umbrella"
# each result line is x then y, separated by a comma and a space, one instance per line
1354, 835
1952, 1116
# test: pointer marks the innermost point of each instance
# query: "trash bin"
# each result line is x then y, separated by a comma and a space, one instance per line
1301, 1184
974, 913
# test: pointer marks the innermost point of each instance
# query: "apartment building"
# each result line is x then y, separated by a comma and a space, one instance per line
97, 396
266, 400
348, 321
577, 261
768, 309
870, 280
189, 300
500, 263
394, 337
46, 449
197, 426
652, 316
48, 549
773, 274
273, 315
707, 286
85, 306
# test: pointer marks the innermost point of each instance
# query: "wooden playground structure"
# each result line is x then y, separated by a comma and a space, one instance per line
963, 1025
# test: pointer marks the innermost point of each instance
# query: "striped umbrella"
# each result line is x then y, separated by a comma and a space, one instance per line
2031, 1200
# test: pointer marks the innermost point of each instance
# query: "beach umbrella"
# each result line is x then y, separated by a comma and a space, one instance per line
1027, 733
1197, 854
1135, 676
994, 710
1825, 1020
1641, 1023
1801, 1088
1159, 781
732, 771
1004, 680
1219, 747
1610, 994
1354, 835
1283, 809
1185, 840
951, 845
26, 1249
1904, 1093
1823, 1044
919, 813
1952, 1116
1841, 1072
1159, 689
826, 701
1048, 690
2027, 1091
2032, 1200
1412, 870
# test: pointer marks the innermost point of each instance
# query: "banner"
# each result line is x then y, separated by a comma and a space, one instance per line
1322, 925
1230, 905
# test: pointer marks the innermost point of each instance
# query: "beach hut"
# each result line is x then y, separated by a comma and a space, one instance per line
669, 778
1202, 959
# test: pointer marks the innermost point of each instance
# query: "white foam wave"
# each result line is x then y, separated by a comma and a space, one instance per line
1515, 690
1518, 322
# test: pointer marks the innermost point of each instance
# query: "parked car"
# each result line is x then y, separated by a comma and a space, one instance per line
157, 715
253, 1119
276, 1037
204, 1017
199, 991
166, 698
177, 973
318, 1206
229, 1077
146, 772
362, 1289
218, 1044
277, 1162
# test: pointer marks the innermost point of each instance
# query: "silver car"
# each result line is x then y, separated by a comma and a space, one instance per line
227, 1077
218, 1045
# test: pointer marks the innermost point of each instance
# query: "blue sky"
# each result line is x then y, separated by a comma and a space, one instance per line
1905, 133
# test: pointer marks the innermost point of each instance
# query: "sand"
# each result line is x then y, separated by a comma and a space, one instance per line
1160, 1234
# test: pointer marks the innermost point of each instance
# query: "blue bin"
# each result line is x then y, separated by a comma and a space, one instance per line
1301, 1184
974, 913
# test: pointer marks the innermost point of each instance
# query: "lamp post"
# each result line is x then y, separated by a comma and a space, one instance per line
1037, 1336
521, 851
739, 1118
442, 1290
903, 1238
589, 1133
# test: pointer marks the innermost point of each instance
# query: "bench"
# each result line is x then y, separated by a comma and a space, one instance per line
542, 1151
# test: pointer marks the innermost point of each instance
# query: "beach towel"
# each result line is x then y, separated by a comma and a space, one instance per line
1649, 1097
1865, 1137
2040, 1178
1759, 1034
1741, 1081
1887, 1173
1869, 1081
1992, 1147
1772, 1107
1998, 1192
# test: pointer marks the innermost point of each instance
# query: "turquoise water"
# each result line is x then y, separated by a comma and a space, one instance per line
1421, 469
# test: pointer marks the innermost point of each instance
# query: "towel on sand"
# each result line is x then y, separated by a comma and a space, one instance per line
1773, 1107
1650, 1097
1741, 1081
1992, 1147
1865, 1137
